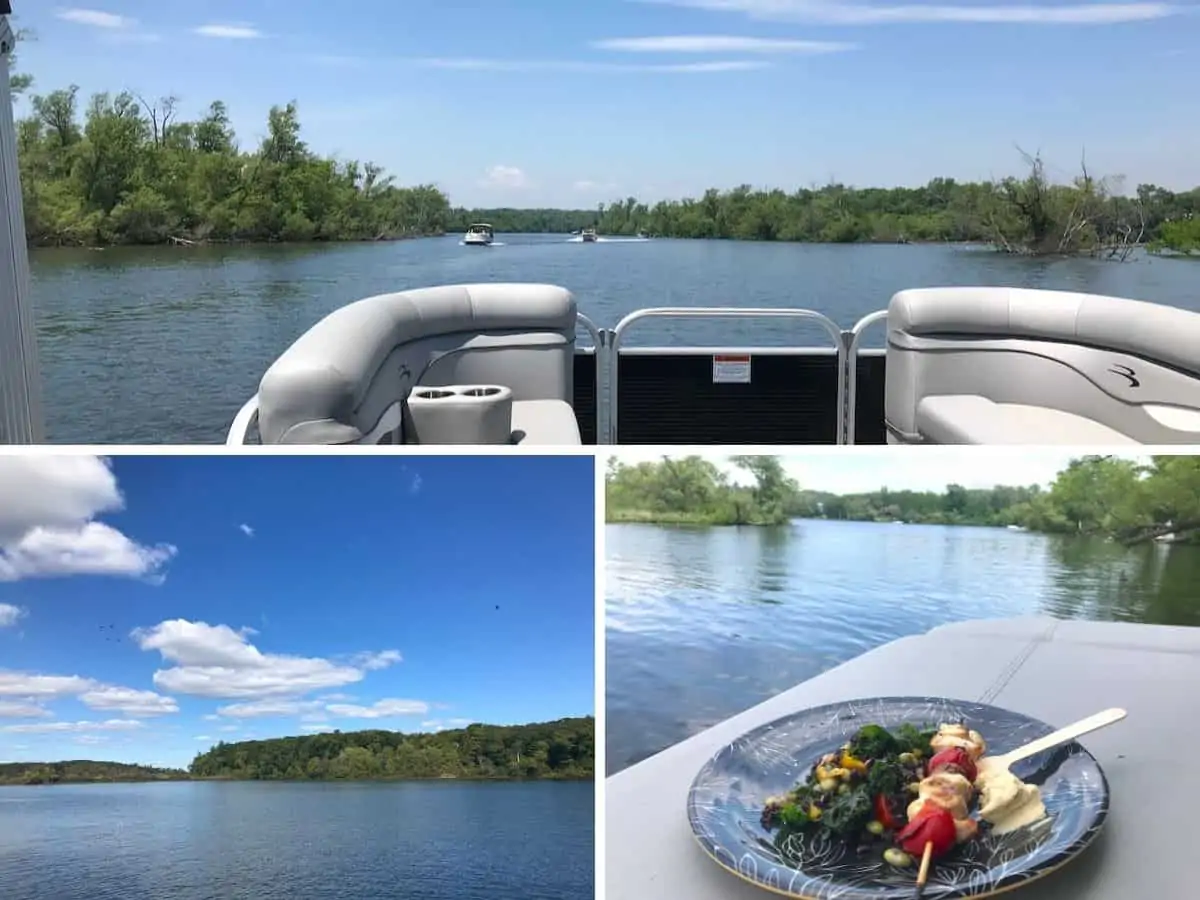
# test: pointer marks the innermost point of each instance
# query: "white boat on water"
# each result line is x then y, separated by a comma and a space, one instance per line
589, 235
481, 235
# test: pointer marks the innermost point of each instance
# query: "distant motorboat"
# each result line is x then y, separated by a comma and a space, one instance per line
480, 235
589, 236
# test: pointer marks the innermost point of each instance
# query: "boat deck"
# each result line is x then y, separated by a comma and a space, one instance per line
1056, 671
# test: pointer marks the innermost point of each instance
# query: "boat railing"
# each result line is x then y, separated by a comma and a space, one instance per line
853, 348
721, 312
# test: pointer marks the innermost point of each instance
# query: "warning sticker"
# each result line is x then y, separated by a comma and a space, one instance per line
731, 370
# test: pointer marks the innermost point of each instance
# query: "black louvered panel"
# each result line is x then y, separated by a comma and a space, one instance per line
585, 396
868, 418
671, 399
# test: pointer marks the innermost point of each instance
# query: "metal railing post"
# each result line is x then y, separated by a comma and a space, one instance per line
856, 334
21, 416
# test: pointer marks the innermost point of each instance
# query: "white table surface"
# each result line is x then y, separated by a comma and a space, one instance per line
1056, 671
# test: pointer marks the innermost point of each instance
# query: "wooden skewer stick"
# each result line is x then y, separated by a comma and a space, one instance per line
923, 872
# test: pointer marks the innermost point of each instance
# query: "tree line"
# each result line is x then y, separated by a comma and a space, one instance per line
694, 491
563, 749
1026, 216
1110, 497
83, 771
119, 168
127, 170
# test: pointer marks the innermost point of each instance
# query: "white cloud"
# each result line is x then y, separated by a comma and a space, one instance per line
257, 708
505, 177
720, 43
375, 661
415, 486
852, 471
128, 701
10, 615
51, 727
826, 12
10, 709
229, 728
217, 661
246, 530
42, 687
35, 690
47, 527
203, 737
548, 65
322, 729
380, 709
239, 32
94, 17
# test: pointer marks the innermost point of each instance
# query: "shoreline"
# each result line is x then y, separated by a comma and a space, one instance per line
491, 779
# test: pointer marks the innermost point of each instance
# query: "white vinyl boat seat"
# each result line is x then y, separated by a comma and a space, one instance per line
545, 423
346, 379
1015, 366
971, 419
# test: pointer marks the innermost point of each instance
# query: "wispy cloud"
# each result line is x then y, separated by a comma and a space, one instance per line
719, 43
500, 176
547, 65
95, 18
51, 727
239, 32
9, 614
246, 530
825, 12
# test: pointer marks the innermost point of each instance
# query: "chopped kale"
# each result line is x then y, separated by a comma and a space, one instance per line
849, 813
873, 742
886, 776
911, 738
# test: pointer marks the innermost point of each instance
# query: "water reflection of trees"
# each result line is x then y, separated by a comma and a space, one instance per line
771, 567
1155, 583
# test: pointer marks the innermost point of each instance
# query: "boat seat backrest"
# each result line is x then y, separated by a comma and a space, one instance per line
344, 380
1132, 367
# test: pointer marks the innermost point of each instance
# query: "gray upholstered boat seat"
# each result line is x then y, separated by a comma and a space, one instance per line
1015, 366
345, 379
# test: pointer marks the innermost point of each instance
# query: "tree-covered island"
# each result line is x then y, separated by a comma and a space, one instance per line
1094, 495
560, 750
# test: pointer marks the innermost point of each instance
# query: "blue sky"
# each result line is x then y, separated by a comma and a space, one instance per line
532, 102
150, 606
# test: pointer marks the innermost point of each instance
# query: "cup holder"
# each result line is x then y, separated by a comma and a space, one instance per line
461, 414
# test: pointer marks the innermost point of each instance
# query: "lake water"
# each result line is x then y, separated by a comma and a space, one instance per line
281, 841
704, 623
165, 345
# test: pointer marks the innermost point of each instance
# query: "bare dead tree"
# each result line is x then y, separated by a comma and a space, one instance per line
160, 114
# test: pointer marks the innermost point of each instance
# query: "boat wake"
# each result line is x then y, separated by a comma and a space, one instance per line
608, 240
492, 244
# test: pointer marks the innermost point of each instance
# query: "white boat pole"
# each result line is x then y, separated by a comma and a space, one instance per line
20, 375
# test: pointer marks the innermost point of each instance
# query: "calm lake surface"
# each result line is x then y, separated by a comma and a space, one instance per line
165, 345
279, 841
704, 623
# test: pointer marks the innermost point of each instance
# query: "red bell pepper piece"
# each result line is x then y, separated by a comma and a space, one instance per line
956, 757
933, 825
883, 812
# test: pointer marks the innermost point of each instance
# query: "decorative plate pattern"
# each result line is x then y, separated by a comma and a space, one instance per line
726, 801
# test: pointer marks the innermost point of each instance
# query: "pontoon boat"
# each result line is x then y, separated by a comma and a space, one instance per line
481, 235
498, 363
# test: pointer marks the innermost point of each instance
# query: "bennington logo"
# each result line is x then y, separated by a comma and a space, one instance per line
1127, 373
